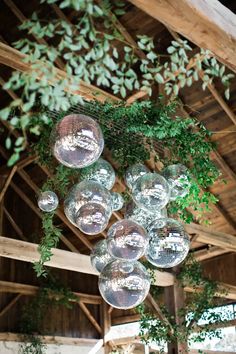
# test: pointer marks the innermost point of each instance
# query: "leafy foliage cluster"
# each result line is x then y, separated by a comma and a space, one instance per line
131, 132
49, 295
103, 57
199, 307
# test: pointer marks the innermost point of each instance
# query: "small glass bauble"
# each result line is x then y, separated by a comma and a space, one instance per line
48, 201
134, 172
102, 172
127, 240
124, 284
151, 192
141, 216
117, 201
92, 194
100, 256
77, 141
177, 178
92, 218
169, 244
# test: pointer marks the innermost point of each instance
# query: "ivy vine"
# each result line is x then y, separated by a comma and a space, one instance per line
199, 306
103, 57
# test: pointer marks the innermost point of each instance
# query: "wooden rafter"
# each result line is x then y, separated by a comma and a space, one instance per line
208, 253
208, 24
61, 259
90, 317
14, 225
8, 181
10, 305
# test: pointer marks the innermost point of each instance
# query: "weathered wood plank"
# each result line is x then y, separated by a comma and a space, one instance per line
208, 24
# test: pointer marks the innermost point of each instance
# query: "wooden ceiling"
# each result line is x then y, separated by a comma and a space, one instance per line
20, 217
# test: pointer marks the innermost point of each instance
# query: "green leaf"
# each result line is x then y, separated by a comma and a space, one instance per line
159, 78
227, 93
19, 141
171, 50
8, 142
13, 159
4, 113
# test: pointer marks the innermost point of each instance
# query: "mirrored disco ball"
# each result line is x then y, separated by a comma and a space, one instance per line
84, 193
48, 201
177, 178
141, 216
102, 172
117, 201
123, 284
169, 243
134, 172
100, 256
92, 218
151, 191
127, 240
77, 141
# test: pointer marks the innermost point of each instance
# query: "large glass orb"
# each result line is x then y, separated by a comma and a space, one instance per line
92, 218
95, 200
48, 201
102, 172
77, 141
141, 216
134, 172
100, 256
127, 240
151, 192
177, 178
117, 201
169, 243
124, 284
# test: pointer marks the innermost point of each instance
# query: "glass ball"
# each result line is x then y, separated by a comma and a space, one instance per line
77, 141
141, 216
92, 218
151, 191
102, 172
134, 172
177, 178
124, 284
169, 243
117, 201
100, 256
48, 201
95, 196
127, 240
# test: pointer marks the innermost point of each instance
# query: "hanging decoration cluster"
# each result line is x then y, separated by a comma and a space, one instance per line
77, 141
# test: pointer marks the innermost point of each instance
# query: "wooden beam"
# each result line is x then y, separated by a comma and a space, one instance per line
14, 225
208, 253
10, 305
13, 58
90, 317
106, 325
8, 181
28, 252
59, 340
125, 319
31, 290
215, 238
158, 311
208, 24
228, 291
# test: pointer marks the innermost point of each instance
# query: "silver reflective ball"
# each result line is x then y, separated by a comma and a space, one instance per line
134, 172
102, 172
177, 177
100, 256
48, 201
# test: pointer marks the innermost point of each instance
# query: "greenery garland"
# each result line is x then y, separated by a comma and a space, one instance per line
198, 306
103, 57
50, 294
130, 133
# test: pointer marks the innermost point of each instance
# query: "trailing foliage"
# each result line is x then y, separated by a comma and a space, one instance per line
49, 295
103, 57
199, 307
131, 132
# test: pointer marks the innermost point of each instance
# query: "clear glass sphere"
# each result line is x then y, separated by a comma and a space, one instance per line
92, 218
134, 172
94, 198
124, 284
48, 201
141, 216
100, 256
77, 141
151, 192
169, 243
102, 172
117, 201
127, 240
177, 178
